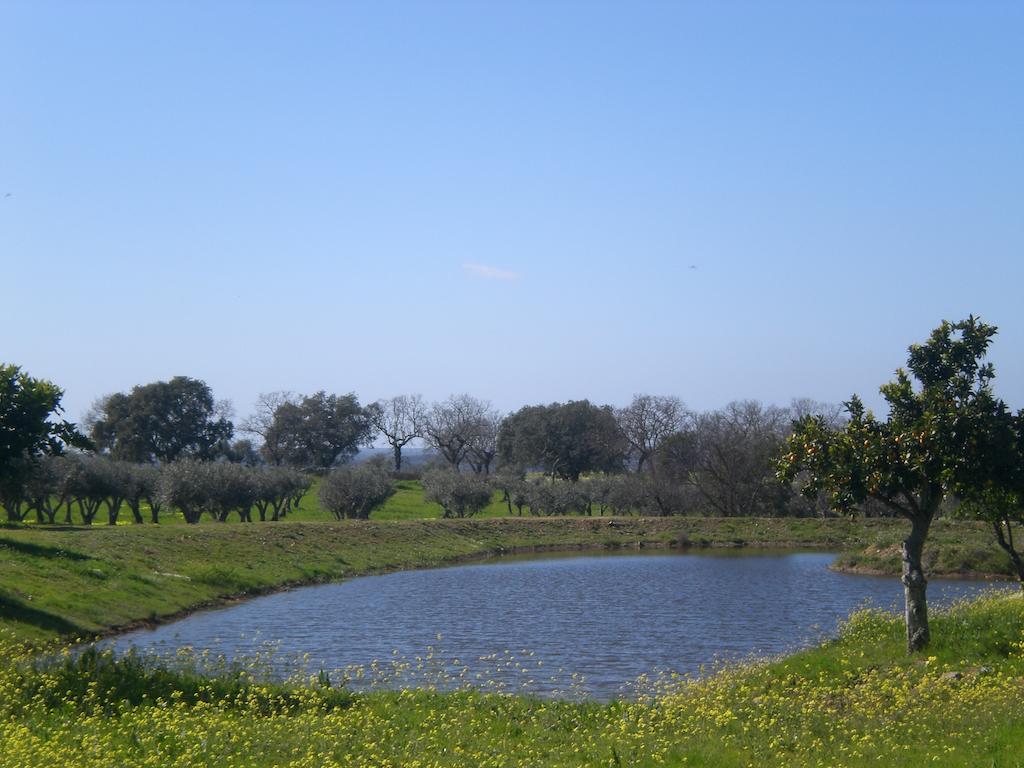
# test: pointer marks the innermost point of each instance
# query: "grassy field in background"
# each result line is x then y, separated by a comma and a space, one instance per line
407, 504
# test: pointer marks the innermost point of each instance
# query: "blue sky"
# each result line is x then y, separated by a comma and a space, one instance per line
528, 201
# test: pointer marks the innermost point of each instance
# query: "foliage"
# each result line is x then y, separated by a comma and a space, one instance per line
936, 440
162, 421
459, 495
564, 440
30, 427
354, 492
318, 431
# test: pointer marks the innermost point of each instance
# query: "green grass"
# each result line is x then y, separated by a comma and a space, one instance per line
954, 549
858, 700
63, 581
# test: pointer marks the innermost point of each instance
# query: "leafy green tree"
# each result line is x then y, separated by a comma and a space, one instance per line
319, 431
162, 421
565, 440
936, 441
30, 427
999, 499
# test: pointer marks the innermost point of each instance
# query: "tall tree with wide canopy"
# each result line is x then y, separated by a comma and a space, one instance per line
933, 443
162, 421
564, 439
320, 430
30, 427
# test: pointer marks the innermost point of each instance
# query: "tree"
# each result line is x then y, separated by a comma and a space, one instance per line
354, 492
162, 421
260, 424
277, 490
459, 495
998, 497
400, 419
933, 443
30, 427
462, 428
319, 430
735, 450
244, 452
483, 439
647, 421
565, 440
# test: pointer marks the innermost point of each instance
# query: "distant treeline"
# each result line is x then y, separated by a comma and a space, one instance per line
170, 444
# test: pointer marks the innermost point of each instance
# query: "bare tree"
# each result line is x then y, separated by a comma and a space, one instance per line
458, 430
647, 421
483, 440
735, 448
400, 419
260, 424
831, 414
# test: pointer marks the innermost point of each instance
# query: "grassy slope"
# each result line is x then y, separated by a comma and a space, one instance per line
67, 581
856, 701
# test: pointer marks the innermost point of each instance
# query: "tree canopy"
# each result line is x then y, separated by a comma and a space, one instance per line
30, 427
565, 440
319, 430
936, 440
162, 421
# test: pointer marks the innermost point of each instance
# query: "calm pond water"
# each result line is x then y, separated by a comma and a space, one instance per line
576, 625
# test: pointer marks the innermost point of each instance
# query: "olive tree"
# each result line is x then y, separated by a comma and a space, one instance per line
931, 444
354, 492
460, 495
276, 490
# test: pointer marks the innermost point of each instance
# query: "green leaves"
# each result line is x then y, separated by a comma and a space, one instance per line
942, 434
29, 424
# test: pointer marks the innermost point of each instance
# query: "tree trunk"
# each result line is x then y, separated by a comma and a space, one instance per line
398, 458
915, 584
1006, 542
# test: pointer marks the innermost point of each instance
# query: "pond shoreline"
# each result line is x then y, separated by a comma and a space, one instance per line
129, 577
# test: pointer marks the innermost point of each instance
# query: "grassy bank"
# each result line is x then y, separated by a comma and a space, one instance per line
77, 581
858, 700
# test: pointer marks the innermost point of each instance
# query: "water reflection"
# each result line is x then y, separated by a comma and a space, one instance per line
579, 625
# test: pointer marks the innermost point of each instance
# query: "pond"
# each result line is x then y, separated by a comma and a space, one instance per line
567, 625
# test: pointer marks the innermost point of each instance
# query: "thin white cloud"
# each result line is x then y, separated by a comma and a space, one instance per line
490, 273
